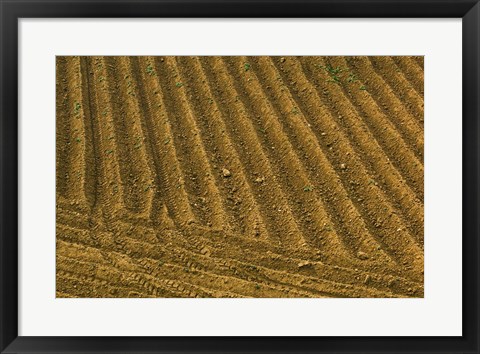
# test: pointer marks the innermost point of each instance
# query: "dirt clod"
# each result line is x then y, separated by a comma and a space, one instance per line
362, 255
239, 177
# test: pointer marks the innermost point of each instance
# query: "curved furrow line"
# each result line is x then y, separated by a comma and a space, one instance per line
384, 98
224, 191
252, 155
420, 61
108, 195
328, 184
370, 120
261, 178
390, 140
159, 140
238, 189
317, 225
352, 143
359, 148
137, 177
412, 72
325, 166
323, 148
199, 181
400, 87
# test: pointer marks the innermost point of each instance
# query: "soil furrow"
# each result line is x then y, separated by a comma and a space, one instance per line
199, 181
412, 72
137, 178
333, 178
159, 138
318, 227
238, 189
252, 155
371, 180
109, 189
234, 177
413, 102
386, 101
389, 139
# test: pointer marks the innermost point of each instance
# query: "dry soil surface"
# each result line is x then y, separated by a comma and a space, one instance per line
239, 177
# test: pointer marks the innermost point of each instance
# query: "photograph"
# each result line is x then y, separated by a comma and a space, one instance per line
239, 177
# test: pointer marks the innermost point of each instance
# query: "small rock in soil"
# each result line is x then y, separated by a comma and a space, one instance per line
304, 264
362, 255
260, 180
226, 173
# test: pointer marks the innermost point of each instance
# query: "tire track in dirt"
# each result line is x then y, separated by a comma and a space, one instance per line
239, 270
310, 205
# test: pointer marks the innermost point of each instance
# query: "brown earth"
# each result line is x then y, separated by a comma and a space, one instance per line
239, 177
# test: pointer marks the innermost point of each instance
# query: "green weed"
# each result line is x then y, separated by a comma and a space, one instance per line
308, 188
77, 107
150, 71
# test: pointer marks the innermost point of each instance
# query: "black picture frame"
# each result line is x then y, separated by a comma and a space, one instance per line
11, 11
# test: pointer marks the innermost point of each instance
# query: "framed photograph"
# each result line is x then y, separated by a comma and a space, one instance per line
239, 176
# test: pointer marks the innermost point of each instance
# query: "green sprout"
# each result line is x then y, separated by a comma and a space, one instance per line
77, 107
150, 70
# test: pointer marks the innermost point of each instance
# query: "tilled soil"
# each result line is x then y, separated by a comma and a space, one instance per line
240, 177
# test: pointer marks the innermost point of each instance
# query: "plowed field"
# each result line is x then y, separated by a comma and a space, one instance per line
239, 177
